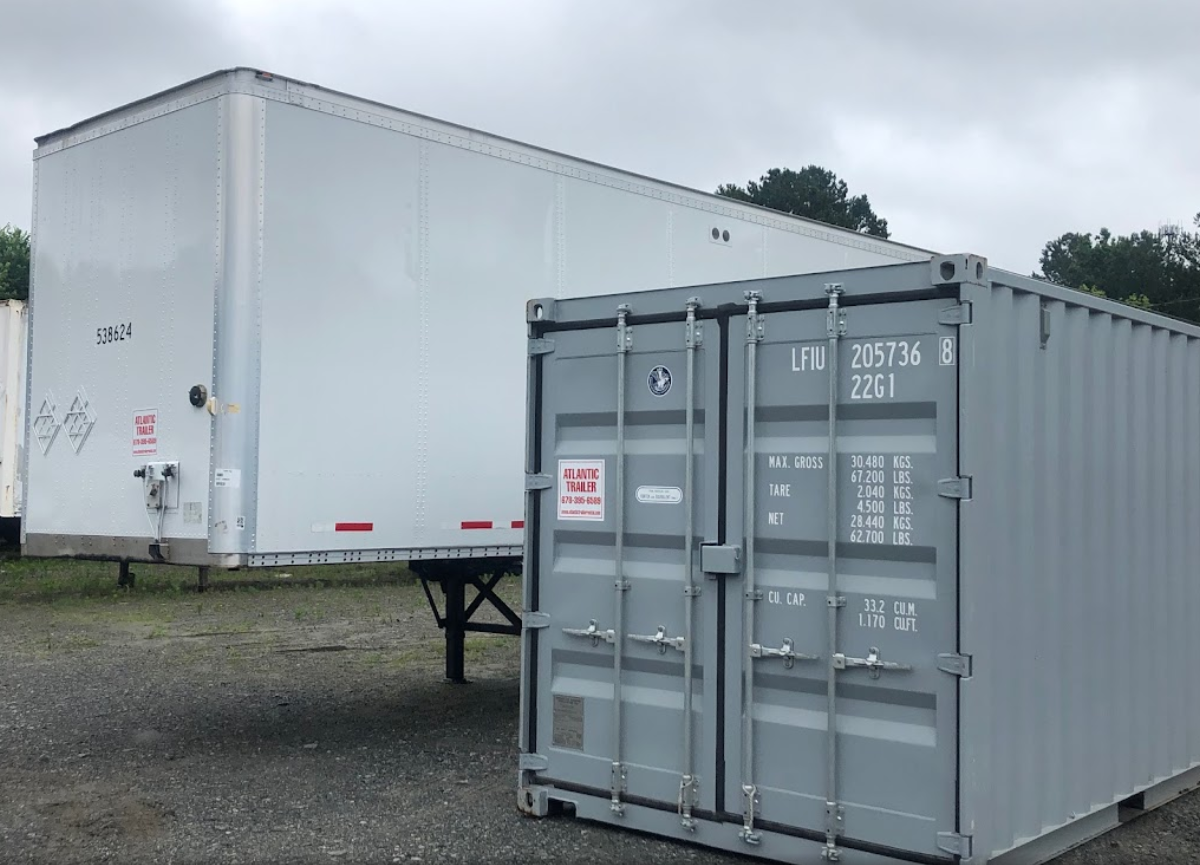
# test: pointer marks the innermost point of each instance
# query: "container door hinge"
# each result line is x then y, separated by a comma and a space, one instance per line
957, 315
955, 844
540, 346
538, 482
532, 763
955, 488
533, 620
955, 664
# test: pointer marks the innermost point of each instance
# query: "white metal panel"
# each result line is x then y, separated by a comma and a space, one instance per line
12, 404
341, 334
492, 241
613, 238
368, 263
787, 253
735, 252
235, 394
125, 238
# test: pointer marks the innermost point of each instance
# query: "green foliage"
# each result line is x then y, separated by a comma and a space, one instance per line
14, 263
1150, 270
814, 193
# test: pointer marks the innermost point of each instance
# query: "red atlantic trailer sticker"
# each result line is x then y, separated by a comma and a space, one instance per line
145, 432
581, 490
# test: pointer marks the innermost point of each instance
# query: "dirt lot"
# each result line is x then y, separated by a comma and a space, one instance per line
293, 723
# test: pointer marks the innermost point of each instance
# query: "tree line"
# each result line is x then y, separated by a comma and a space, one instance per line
1157, 270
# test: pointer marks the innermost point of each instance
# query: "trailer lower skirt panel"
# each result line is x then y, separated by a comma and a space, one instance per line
194, 552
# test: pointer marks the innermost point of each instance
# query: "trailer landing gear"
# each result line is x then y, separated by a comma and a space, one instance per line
453, 578
126, 579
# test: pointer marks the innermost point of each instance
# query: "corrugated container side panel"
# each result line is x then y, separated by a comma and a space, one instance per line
1078, 560
1192, 607
1178, 529
1118, 553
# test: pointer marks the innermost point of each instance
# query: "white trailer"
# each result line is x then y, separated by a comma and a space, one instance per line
273, 324
12, 407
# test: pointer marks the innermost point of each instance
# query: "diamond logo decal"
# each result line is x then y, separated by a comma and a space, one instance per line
78, 421
46, 422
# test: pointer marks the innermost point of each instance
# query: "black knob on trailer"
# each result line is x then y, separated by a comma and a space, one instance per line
198, 395
139, 473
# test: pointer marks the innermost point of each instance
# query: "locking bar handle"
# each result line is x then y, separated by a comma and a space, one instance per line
873, 662
659, 638
592, 632
787, 651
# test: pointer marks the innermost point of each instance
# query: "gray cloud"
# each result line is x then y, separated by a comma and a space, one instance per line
984, 126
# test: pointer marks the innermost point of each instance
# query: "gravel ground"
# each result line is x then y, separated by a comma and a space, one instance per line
299, 725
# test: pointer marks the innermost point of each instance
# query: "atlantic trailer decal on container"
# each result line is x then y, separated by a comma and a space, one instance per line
895, 619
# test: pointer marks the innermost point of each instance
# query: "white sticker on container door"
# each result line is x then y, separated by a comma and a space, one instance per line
231, 478
581, 490
659, 495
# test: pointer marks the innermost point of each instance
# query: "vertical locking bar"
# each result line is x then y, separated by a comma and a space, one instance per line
624, 340
833, 811
687, 784
754, 334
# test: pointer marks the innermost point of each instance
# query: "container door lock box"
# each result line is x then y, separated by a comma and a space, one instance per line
160, 484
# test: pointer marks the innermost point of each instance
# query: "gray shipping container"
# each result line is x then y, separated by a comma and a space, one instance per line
948, 513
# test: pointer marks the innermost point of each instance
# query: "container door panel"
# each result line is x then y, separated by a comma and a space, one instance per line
579, 574
895, 603
123, 328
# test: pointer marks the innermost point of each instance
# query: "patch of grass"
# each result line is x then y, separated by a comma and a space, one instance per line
66, 581
308, 613
69, 642
429, 651
371, 659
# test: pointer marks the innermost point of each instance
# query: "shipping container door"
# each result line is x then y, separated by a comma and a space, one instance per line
123, 291
602, 727
890, 770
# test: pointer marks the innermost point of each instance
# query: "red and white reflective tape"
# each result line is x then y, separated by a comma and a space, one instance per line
343, 527
490, 524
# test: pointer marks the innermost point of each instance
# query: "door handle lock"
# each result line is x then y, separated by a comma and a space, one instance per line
659, 638
787, 651
592, 632
872, 662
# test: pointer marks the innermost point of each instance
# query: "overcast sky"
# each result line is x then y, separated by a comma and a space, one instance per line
979, 126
